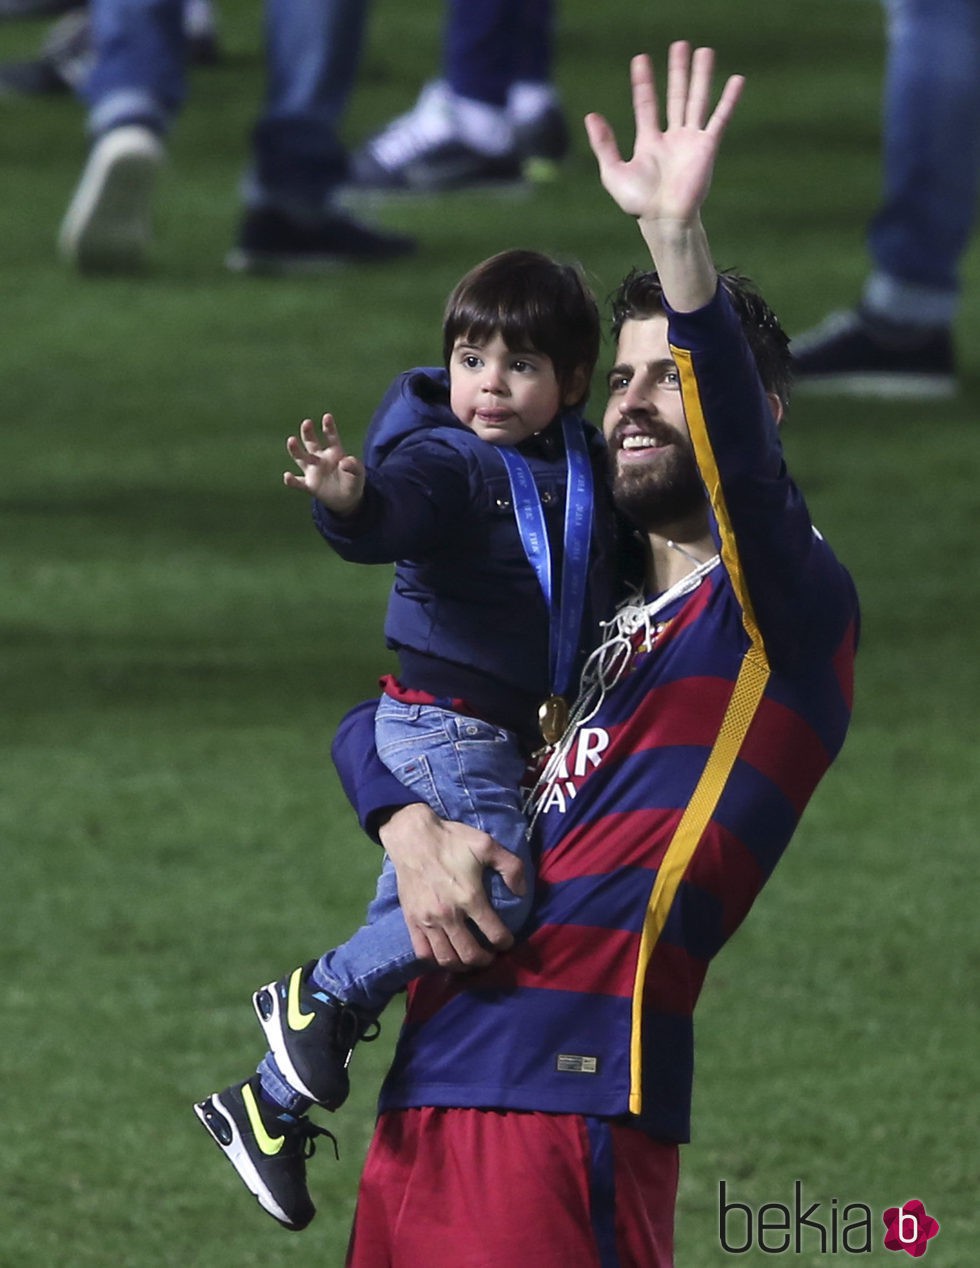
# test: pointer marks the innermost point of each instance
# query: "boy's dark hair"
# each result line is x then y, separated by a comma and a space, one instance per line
533, 303
641, 295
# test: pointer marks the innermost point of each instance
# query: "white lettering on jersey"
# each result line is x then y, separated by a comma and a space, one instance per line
555, 799
590, 743
585, 753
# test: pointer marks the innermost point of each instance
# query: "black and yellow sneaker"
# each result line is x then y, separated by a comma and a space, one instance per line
267, 1147
311, 1035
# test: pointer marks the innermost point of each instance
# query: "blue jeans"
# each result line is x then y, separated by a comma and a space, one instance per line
312, 54
931, 160
466, 770
490, 44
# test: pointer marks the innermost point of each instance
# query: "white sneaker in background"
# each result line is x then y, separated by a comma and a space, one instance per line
108, 225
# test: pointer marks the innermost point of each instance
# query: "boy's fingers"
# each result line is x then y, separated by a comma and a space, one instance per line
300, 451
351, 465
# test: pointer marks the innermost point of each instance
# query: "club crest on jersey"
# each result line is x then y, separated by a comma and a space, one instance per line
645, 641
626, 659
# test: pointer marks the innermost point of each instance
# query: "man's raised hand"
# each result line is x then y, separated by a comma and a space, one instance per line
669, 174
333, 476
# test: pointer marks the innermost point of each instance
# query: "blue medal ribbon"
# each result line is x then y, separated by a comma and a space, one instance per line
565, 617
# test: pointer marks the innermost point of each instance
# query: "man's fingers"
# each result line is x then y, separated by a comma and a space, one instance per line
725, 108
602, 141
470, 952
453, 947
432, 944
509, 868
646, 111
678, 75
699, 88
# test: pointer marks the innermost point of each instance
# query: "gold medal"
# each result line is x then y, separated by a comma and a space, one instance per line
553, 718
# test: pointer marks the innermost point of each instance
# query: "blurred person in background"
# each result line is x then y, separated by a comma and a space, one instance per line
898, 340
493, 117
65, 56
36, 8
137, 87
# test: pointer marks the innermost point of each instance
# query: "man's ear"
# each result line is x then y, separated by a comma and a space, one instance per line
777, 407
577, 388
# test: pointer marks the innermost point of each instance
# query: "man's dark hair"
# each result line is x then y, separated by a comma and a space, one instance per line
533, 303
641, 295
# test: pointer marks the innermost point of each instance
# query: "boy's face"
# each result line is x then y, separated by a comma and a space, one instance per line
502, 395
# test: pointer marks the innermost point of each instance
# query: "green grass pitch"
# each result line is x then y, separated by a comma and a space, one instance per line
177, 647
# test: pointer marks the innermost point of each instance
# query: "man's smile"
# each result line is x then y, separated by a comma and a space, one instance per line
633, 441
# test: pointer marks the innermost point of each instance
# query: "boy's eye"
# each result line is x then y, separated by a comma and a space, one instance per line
471, 361
522, 366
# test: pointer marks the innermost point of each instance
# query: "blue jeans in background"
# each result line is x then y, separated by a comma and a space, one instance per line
489, 45
313, 52
931, 160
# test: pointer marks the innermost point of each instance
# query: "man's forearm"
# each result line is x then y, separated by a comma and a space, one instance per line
682, 258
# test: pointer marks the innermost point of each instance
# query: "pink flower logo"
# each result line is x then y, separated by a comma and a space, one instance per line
909, 1227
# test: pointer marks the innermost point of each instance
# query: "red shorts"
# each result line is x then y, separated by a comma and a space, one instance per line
468, 1188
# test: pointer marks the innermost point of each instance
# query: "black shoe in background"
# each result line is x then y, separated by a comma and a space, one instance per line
272, 243
857, 354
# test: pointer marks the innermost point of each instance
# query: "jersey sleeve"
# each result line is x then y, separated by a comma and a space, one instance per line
796, 598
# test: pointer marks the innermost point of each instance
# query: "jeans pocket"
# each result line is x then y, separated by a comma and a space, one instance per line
467, 730
416, 774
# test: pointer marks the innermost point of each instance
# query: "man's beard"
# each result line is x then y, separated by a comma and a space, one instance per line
654, 495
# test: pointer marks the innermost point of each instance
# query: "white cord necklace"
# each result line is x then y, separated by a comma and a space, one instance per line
605, 667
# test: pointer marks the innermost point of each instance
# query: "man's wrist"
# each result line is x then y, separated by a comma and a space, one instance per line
681, 255
390, 821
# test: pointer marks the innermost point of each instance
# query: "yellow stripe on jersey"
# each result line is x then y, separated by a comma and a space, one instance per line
712, 480
742, 706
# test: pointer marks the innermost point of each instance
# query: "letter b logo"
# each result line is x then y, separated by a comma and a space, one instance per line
909, 1227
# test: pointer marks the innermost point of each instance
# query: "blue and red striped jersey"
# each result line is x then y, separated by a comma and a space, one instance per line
672, 804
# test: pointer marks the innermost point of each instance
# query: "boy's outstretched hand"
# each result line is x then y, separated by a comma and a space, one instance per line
334, 477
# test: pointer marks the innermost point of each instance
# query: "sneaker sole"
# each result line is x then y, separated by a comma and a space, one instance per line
886, 387
273, 1027
108, 225
237, 1155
